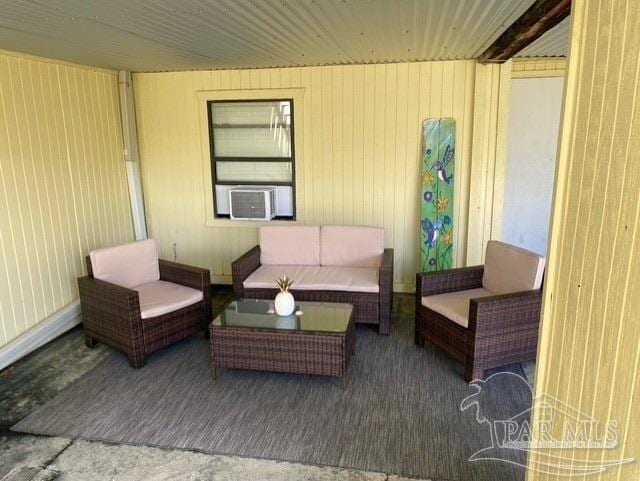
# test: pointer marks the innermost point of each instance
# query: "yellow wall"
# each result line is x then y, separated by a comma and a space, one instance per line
62, 183
589, 353
358, 135
538, 67
486, 189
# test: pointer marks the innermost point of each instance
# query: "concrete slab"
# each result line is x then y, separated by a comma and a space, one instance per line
41, 375
21, 453
107, 462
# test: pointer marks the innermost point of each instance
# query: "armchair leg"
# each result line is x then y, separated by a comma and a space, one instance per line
471, 372
89, 341
383, 327
418, 339
137, 362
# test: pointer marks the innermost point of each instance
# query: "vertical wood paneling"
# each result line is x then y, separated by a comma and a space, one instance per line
358, 162
589, 349
491, 97
62, 183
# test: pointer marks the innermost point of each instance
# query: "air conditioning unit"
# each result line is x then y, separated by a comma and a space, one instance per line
252, 203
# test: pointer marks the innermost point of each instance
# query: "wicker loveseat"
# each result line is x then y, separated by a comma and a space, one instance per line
484, 316
326, 263
139, 304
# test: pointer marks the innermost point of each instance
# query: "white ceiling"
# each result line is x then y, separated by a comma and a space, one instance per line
148, 35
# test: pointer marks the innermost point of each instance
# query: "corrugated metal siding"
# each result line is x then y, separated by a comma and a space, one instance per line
589, 347
554, 43
358, 163
166, 35
62, 183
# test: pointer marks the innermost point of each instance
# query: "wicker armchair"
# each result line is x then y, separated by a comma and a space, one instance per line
137, 317
501, 327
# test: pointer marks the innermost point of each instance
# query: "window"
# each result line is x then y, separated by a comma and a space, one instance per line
251, 143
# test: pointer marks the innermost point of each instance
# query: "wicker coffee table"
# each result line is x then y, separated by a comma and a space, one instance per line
320, 341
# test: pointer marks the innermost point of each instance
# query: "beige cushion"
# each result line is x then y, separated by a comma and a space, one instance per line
455, 305
351, 246
127, 265
320, 278
290, 245
509, 268
161, 297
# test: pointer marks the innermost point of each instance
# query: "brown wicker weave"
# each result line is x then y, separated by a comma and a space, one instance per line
111, 313
299, 352
370, 308
503, 329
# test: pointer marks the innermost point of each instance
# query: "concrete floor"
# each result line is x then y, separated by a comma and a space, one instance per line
37, 378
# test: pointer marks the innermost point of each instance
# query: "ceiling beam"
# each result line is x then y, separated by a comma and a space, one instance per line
542, 16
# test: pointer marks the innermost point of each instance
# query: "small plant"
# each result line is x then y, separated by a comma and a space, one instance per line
284, 283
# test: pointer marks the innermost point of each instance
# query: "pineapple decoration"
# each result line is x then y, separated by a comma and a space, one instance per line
284, 283
284, 303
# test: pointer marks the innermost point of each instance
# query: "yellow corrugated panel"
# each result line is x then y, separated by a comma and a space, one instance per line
486, 187
538, 67
589, 347
358, 156
62, 183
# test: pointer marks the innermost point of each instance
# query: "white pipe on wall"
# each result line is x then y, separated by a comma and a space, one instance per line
131, 156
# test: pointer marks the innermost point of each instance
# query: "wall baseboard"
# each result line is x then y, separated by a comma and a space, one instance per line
45, 331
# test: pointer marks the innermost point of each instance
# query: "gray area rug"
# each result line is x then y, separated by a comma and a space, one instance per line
399, 413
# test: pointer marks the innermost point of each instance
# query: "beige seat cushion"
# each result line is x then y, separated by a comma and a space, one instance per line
455, 305
127, 265
161, 297
509, 268
351, 246
316, 278
290, 245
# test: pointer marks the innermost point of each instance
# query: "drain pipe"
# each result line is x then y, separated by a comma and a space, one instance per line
131, 155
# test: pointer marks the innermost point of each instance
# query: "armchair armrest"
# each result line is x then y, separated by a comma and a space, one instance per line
108, 309
502, 329
385, 279
242, 267
451, 280
116, 297
505, 313
190, 276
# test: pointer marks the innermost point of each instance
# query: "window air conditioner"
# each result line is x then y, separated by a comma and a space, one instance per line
252, 203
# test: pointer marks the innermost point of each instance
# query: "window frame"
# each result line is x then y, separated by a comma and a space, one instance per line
214, 159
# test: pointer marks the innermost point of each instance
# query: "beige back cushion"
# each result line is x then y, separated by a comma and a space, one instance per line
351, 246
291, 245
127, 265
509, 268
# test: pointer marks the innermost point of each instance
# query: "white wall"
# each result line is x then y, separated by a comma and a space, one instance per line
534, 116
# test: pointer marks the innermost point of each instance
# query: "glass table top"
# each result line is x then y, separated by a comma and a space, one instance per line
260, 314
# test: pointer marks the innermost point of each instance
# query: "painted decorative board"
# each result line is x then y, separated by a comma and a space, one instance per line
436, 216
